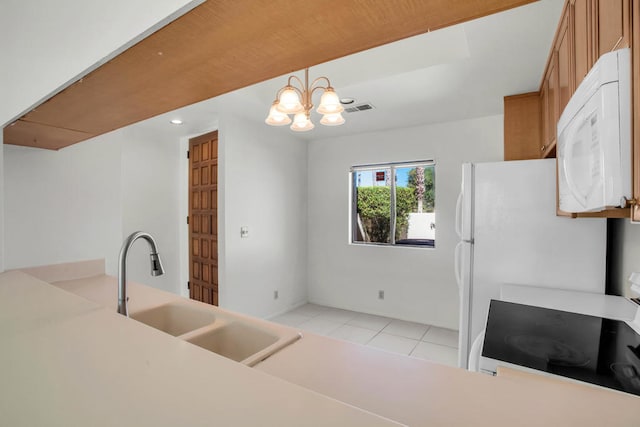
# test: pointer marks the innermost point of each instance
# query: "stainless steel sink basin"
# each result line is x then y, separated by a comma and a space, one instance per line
176, 318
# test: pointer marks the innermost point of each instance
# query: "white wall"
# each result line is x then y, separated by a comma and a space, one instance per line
624, 255
150, 189
47, 44
81, 202
419, 283
62, 206
263, 185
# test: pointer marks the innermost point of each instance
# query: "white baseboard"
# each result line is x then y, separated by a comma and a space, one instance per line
286, 310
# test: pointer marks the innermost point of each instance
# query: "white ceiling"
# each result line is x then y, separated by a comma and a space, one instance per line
456, 73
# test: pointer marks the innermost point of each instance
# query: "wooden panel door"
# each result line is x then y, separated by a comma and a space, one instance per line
203, 218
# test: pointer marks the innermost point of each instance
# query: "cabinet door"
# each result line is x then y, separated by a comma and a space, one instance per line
565, 71
549, 105
522, 126
553, 101
580, 13
613, 20
544, 117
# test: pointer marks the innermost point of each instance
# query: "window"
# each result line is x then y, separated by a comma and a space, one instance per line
394, 204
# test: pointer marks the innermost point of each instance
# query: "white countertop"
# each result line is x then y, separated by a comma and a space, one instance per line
69, 361
591, 304
419, 393
609, 306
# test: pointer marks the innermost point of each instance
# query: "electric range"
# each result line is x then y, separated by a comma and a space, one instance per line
592, 349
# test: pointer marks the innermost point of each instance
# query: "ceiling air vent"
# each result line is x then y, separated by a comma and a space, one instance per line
360, 107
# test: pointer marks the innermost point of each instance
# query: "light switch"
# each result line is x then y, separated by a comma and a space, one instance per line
244, 231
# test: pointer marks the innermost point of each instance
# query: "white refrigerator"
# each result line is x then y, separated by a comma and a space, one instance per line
510, 234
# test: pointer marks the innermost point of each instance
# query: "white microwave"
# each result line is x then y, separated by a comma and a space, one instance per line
594, 138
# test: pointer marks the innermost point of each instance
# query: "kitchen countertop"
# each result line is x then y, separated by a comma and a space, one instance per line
71, 362
400, 388
609, 306
417, 392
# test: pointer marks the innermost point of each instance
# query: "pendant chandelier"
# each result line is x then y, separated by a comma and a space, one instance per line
297, 102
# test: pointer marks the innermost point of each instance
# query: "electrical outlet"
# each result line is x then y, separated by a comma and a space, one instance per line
380, 294
275, 294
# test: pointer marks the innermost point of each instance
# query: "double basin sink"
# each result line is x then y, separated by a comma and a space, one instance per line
245, 339
240, 338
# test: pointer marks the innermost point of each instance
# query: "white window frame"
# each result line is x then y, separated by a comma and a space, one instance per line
392, 166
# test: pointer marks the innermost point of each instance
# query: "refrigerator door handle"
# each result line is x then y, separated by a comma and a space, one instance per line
476, 352
456, 262
459, 214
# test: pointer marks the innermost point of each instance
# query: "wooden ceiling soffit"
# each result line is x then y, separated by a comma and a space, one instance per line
224, 45
38, 135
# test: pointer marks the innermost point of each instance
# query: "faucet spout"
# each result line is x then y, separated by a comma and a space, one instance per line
156, 267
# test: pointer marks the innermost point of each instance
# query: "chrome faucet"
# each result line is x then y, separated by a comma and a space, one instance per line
156, 267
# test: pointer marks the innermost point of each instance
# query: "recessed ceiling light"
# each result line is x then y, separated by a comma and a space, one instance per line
346, 101
176, 122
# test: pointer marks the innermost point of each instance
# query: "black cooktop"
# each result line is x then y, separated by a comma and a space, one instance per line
586, 348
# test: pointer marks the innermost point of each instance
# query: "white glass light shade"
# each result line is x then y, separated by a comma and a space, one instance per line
289, 101
276, 118
301, 123
329, 102
334, 119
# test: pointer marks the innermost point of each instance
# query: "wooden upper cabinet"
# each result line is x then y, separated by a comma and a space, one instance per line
549, 105
587, 30
580, 21
522, 126
557, 86
598, 27
565, 72
613, 25
544, 118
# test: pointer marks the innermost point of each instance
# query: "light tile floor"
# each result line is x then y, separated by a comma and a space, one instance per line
397, 336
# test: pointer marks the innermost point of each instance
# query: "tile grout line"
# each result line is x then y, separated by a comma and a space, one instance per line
414, 348
440, 344
425, 333
419, 340
378, 333
372, 338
